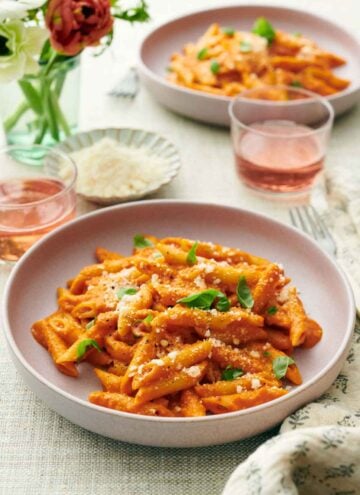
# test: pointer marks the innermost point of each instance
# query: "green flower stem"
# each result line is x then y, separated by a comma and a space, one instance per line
40, 135
49, 110
32, 96
50, 63
59, 83
59, 114
11, 121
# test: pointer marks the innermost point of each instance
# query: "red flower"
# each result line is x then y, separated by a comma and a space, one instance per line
75, 24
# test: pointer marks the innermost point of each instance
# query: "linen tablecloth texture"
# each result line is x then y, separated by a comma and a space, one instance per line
42, 453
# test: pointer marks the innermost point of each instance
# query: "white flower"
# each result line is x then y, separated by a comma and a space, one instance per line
19, 48
16, 9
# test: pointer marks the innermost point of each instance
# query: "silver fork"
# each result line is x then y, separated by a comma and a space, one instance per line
307, 219
128, 86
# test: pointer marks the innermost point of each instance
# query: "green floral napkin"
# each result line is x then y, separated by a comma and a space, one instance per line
318, 449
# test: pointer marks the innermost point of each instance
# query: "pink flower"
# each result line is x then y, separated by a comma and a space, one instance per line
76, 24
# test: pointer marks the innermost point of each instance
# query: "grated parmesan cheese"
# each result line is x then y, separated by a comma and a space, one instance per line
200, 282
109, 169
255, 383
193, 371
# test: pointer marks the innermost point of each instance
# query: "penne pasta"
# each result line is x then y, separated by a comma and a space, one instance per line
226, 62
180, 328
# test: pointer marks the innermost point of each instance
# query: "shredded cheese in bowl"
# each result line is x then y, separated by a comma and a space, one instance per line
110, 169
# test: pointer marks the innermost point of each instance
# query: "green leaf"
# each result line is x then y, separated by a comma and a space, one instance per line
296, 84
139, 13
229, 31
223, 304
272, 310
90, 324
45, 53
230, 373
243, 293
245, 47
126, 291
214, 66
84, 346
204, 300
191, 258
263, 28
280, 366
148, 319
201, 55
141, 242
266, 354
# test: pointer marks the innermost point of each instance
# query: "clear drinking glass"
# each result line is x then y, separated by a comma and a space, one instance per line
280, 146
33, 200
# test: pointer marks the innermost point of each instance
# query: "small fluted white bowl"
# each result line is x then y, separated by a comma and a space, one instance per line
157, 146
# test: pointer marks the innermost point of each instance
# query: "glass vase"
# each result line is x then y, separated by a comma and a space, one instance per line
42, 108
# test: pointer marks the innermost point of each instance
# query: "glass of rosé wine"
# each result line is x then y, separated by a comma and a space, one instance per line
33, 200
280, 136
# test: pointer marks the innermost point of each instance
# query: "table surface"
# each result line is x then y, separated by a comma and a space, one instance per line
42, 453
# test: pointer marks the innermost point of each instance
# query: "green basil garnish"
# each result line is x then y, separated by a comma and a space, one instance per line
243, 293
202, 53
191, 258
126, 291
230, 373
90, 324
245, 47
229, 31
148, 319
204, 300
84, 346
263, 28
215, 67
280, 366
141, 242
296, 84
272, 310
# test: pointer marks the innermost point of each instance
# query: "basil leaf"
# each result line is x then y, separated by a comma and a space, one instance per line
243, 293
215, 67
90, 324
84, 346
230, 373
272, 310
229, 31
296, 84
245, 47
204, 300
280, 365
141, 242
148, 319
126, 291
266, 354
202, 54
263, 28
191, 258
223, 304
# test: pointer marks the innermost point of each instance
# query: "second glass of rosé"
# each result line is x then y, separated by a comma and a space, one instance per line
280, 136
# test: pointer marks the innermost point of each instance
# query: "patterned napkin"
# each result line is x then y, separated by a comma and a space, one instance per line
318, 449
